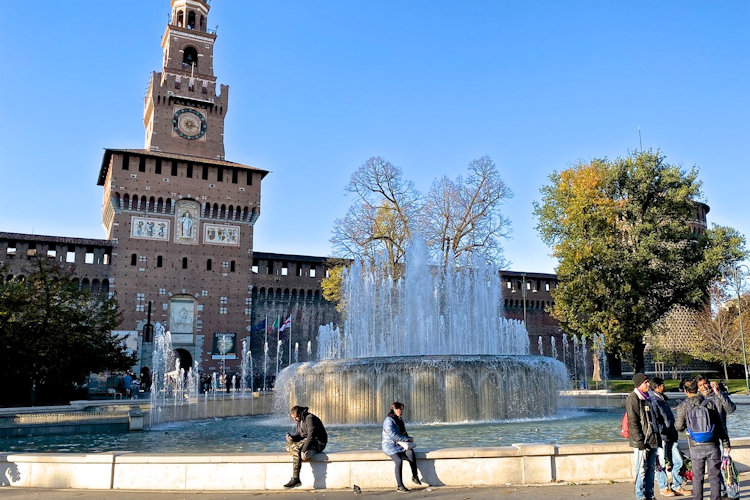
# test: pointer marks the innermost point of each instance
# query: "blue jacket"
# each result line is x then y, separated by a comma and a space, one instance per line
391, 435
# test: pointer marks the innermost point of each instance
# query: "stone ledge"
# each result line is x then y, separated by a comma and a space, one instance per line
522, 463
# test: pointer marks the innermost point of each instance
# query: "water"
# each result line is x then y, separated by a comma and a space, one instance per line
431, 310
264, 434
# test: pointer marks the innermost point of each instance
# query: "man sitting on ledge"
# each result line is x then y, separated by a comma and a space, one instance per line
310, 438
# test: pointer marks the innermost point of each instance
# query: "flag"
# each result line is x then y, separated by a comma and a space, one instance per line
275, 326
259, 326
287, 324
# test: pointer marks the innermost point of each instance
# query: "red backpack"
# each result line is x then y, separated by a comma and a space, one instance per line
624, 429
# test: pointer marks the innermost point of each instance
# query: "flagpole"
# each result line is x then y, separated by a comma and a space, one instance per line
265, 353
278, 341
290, 340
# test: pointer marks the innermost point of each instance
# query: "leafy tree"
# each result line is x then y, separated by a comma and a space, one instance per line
627, 252
53, 334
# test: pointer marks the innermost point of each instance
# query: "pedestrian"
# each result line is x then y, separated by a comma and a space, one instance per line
310, 437
127, 382
644, 435
669, 456
717, 393
398, 445
705, 431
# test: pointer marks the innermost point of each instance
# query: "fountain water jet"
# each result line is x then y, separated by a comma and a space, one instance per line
435, 339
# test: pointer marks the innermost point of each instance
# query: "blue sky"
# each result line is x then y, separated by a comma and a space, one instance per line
318, 87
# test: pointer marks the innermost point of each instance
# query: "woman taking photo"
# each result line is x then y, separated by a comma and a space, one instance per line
398, 445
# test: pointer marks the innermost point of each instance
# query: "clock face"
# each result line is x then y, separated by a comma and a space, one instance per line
189, 124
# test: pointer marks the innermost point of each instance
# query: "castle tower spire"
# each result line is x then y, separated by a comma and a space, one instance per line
183, 113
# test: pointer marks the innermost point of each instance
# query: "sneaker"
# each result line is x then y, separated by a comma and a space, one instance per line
667, 492
682, 492
293, 482
402, 489
415, 480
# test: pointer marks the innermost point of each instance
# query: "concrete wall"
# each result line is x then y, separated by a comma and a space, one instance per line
517, 464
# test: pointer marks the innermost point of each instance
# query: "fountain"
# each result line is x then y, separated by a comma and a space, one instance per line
435, 339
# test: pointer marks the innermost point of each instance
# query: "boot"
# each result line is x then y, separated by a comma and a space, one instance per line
293, 483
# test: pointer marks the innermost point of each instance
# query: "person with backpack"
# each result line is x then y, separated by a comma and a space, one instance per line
705, 431
669, 452
643, 435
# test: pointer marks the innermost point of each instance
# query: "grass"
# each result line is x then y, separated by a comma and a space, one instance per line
735, 385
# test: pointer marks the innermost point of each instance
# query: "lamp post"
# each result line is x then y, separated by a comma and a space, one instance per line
737, 281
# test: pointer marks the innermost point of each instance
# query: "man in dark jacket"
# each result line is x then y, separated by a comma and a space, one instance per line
703, 454
309, 438
669, 451
644, 435
725, 406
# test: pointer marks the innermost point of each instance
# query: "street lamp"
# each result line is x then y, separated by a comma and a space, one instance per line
737, 275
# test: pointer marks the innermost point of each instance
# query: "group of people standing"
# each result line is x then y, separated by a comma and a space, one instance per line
653, 433
310, 437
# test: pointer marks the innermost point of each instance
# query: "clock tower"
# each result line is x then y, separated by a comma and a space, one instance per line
183, 113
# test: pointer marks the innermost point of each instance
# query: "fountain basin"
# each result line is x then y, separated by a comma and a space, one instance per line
434, 388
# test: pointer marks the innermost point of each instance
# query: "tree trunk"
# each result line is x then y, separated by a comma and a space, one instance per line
638, 363
614, 365
726, 377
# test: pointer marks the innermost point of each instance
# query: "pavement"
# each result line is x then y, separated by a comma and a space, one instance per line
546, 492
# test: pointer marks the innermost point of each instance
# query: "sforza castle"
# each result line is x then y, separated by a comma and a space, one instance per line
179, 220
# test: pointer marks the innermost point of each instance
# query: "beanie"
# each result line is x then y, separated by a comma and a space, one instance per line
639, 378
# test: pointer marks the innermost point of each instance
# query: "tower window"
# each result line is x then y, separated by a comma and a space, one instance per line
184, 262
249, 178
204, 176
190, 58
159, 261
142, 164
190, 170
208, 265
157, 169
125, 162
191, 20
174, 168
231, 267
133, 260
234, 176
219, 174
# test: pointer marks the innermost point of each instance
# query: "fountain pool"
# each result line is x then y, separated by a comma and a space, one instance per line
266, 434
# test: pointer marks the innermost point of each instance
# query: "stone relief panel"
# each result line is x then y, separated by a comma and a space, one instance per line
186, 222
217, 234
181, 315
149, 228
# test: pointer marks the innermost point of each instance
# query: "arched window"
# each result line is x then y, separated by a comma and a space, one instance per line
184, 262
133, 259
191, 20
159, 261
208, 265
190, 57
180, 18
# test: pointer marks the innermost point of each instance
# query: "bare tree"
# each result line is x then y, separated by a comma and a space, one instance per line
717, 335
382, 216
463, 216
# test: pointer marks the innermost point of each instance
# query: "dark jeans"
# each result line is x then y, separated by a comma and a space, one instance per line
398, 458
706, 455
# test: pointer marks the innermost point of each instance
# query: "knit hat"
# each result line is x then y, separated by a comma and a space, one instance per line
639, 378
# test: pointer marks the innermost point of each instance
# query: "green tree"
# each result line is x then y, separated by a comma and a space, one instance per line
627, 251
53, 334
